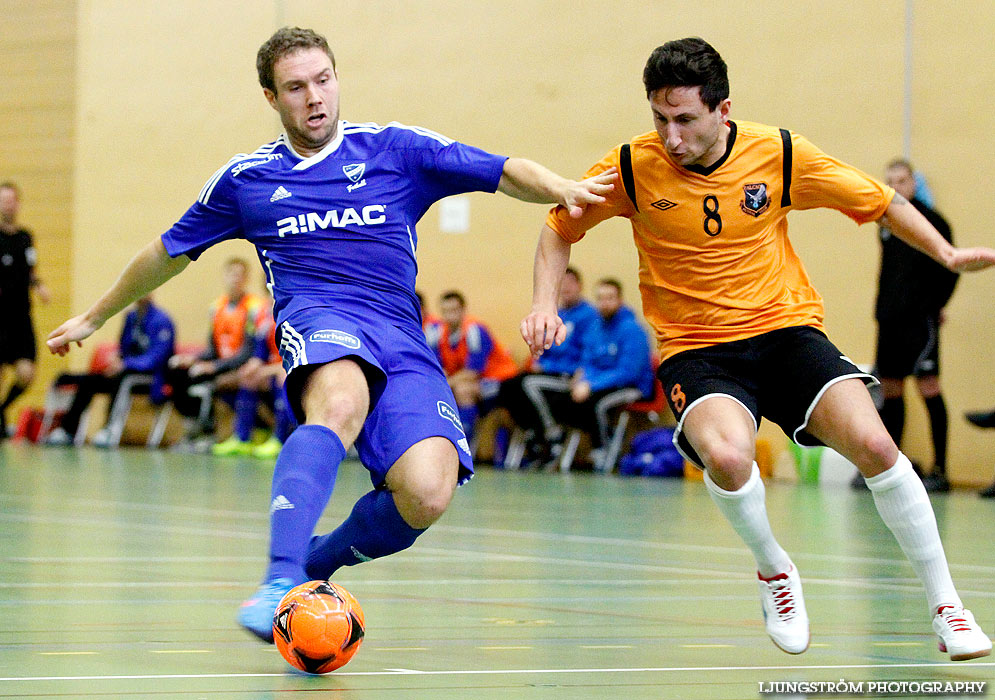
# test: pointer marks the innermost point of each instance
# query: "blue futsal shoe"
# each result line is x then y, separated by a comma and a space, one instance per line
256, 614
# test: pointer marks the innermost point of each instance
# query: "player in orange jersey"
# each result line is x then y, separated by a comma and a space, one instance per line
739, 325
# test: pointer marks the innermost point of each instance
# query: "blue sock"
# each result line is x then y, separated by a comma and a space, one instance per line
302, 484
374, 529
468, 416
245, 413
284, 416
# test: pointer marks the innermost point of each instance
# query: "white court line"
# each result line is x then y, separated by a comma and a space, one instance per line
130, 560
107, 523
529, 534
91, 503
880, 585
691, 573
120, 584
512, 671
876, 584
677, 546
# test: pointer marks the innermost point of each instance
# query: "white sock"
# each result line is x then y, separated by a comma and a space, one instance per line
905, 508
746, 512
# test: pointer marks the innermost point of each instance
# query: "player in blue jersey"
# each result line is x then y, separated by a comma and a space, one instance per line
331, 208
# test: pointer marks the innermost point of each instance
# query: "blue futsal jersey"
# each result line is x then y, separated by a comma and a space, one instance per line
336, 237
338, 228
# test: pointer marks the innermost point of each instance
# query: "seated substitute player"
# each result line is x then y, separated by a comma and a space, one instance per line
231, 342
331, 207
261, 378
525, 396
739, 325
475, 362
146, 344
614, 369
912, 291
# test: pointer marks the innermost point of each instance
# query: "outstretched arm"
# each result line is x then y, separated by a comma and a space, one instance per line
906, 222
543, 326
150, 268
530, 182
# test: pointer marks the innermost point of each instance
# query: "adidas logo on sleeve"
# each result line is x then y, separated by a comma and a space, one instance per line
280, 503
280, 193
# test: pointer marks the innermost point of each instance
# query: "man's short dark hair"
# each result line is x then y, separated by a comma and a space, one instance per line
611, 282
287, 41
901, 163
241, 262
453, 294
9, 185
571, 270
688, 62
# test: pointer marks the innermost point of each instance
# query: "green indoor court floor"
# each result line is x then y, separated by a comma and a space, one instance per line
121, 573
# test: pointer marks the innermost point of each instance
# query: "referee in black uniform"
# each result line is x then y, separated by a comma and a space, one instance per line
17, 278
912, 291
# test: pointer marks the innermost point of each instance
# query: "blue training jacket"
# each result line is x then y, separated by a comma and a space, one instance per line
616, 354
565, 358
147, 343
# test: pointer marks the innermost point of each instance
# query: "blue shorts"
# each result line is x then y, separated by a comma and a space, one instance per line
410, 399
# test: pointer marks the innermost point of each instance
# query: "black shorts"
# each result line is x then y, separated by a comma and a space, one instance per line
779, 376
910, 347
17, 340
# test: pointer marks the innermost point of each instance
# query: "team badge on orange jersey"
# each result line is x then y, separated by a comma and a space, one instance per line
755, 200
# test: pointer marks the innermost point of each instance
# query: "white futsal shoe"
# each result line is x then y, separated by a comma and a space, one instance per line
959, 634
784, 611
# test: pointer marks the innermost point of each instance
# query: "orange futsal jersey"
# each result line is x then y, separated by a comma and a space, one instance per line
715, 262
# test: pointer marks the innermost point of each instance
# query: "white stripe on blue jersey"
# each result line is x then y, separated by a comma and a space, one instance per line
264, 150
374, 128
424, 132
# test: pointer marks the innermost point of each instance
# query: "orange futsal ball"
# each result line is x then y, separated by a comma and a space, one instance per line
318, 626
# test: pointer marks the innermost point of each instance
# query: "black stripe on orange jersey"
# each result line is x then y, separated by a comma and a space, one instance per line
786, 169
628, 180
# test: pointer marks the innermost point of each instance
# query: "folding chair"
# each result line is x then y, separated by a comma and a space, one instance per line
59, 397
121, 408
652, 409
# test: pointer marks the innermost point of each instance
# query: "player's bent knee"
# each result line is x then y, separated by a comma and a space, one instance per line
343, 415
878, 452
423, 503
434, 504
423, 495
340, 408
727, 463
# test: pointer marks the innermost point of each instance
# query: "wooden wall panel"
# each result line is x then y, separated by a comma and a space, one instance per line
554, 80
37, 121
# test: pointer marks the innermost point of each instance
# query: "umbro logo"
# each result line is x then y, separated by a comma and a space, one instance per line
279, 193
280, 503
664, 204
